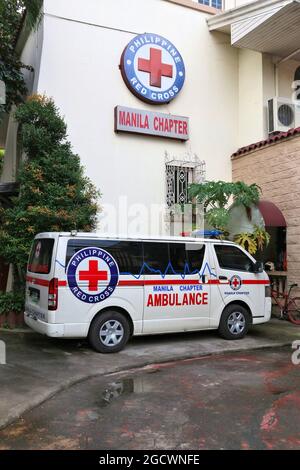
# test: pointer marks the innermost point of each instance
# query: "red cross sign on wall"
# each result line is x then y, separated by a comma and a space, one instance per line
93, 276
155, 67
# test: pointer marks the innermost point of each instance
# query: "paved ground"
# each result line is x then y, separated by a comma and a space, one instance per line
248, 400
38, 367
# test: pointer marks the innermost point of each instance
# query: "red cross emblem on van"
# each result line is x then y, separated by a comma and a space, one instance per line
235, 282
92, 274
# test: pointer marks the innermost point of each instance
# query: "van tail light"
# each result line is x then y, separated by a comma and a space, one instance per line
53, 294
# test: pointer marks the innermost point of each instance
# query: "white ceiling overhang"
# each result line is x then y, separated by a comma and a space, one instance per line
271, 27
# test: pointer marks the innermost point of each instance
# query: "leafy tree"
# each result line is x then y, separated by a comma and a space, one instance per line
54, 193
216, 197
247, 241
12, 15
261, 237
254, 241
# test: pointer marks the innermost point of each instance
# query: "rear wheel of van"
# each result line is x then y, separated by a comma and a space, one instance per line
235, 322
109, 332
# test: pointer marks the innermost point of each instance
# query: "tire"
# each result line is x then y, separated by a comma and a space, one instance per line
230, 330
109, 332
293, 310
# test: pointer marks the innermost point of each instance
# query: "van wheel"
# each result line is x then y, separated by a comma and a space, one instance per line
235, 322
109, 332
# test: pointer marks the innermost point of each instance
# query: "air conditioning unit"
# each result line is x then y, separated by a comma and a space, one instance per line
282, 115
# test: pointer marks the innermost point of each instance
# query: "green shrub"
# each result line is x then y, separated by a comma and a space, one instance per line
11, 302
55, 195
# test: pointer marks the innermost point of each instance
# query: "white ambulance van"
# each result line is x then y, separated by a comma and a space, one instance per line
109, 288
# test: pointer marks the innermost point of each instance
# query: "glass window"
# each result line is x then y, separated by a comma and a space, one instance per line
128, 254
178, 257
212, 3
231, 257
195, 255
41, 256
156, 257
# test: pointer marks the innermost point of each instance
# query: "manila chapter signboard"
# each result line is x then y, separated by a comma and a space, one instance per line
140, 121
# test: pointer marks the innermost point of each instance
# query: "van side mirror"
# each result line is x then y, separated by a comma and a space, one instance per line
258, 267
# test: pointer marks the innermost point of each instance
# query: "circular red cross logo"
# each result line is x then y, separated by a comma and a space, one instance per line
93, 275
155, 67
152, 68
235, 282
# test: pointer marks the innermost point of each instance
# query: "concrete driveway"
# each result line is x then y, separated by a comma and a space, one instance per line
240, 400
39, 367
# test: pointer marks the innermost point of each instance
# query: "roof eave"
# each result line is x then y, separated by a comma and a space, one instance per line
224, 20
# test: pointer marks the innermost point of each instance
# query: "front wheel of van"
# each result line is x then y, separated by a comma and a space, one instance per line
109, 332
235, 322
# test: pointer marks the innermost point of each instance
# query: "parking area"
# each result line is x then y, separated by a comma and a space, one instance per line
38, 367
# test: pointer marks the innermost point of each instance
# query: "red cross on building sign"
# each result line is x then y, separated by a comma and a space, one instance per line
152, 68
155, 67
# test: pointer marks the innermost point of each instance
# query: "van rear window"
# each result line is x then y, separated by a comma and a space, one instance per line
41, 256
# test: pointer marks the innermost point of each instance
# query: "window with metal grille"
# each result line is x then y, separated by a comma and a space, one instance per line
212, 3
178, 180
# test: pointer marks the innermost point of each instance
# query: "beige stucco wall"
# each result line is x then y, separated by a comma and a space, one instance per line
80, 70
259, 80
276, 169
250, 95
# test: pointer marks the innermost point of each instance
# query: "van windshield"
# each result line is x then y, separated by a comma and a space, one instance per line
41, 256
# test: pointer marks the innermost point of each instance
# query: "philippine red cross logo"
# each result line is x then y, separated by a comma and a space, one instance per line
155, 67
235, 282
92, 275
152, 68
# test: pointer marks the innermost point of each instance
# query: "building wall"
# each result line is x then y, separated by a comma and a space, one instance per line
276, 169
31, 55
80, 70
250, 92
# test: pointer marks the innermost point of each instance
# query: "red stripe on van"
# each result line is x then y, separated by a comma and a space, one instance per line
256, 281
43, 282
38, 282
131, 283
155, 282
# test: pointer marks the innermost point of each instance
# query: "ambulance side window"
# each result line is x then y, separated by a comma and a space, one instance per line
195, 254
156, 257
231, 257
128, 254
40, 256
178, 257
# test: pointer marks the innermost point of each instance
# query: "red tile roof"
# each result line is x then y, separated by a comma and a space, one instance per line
270, 140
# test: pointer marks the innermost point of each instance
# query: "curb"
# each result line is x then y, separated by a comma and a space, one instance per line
171, 360
16, 330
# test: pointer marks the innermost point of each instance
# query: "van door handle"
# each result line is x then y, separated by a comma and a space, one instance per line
223, 278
